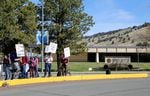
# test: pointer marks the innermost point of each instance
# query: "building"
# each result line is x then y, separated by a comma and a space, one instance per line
98, 53
137, 54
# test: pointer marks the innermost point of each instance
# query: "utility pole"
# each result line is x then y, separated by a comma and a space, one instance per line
42, 51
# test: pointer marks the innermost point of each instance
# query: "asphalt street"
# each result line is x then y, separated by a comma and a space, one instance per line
116, 87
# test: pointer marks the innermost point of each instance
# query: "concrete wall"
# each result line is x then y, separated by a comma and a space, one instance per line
79, 57
75, 58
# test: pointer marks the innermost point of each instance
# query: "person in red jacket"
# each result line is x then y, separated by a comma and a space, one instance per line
24, 61
64, 64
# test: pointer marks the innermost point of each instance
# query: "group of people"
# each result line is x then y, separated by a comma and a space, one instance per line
63, 70
20, 67
25, 67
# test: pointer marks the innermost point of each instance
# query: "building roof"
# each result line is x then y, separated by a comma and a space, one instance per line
118, 46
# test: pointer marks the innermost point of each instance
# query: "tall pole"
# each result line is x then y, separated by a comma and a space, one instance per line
97, 56
42, 52
138, 59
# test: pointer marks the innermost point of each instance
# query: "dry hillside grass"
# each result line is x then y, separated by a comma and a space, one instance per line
132, 36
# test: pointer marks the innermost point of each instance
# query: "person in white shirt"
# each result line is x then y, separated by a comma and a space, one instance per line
48, 61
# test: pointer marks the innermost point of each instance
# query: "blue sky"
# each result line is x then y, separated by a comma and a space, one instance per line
115, 14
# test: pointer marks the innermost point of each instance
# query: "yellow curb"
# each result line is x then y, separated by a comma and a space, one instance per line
71, 78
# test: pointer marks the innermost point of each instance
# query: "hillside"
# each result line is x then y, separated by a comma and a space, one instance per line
131, 36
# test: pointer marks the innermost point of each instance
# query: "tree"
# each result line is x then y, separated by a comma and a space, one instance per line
112, 42
67, 24
123, 40
17, 23
132, 41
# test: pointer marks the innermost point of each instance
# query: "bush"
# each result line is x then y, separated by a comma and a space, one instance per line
130, 66
105, 66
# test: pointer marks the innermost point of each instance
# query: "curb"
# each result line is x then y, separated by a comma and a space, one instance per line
70, 78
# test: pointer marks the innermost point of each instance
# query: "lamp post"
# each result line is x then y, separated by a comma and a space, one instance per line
42, 51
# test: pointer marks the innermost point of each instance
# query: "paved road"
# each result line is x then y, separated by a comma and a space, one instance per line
120, 87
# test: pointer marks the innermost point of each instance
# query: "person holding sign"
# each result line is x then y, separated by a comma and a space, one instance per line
6, 64
48, 61
14, 63
64, 63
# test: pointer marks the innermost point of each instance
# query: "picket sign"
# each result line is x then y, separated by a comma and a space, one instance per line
20, 50
51, 48
67, 52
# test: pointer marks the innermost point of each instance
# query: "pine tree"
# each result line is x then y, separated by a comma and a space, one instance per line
17, 23
67, 24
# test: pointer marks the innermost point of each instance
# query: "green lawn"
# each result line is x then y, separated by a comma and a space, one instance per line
78, 66
84, 66
144, 66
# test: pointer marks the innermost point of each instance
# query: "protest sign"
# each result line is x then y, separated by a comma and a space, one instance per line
20, 50
51, 48
67, 52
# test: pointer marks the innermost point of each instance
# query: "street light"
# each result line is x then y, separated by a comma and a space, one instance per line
42, 52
